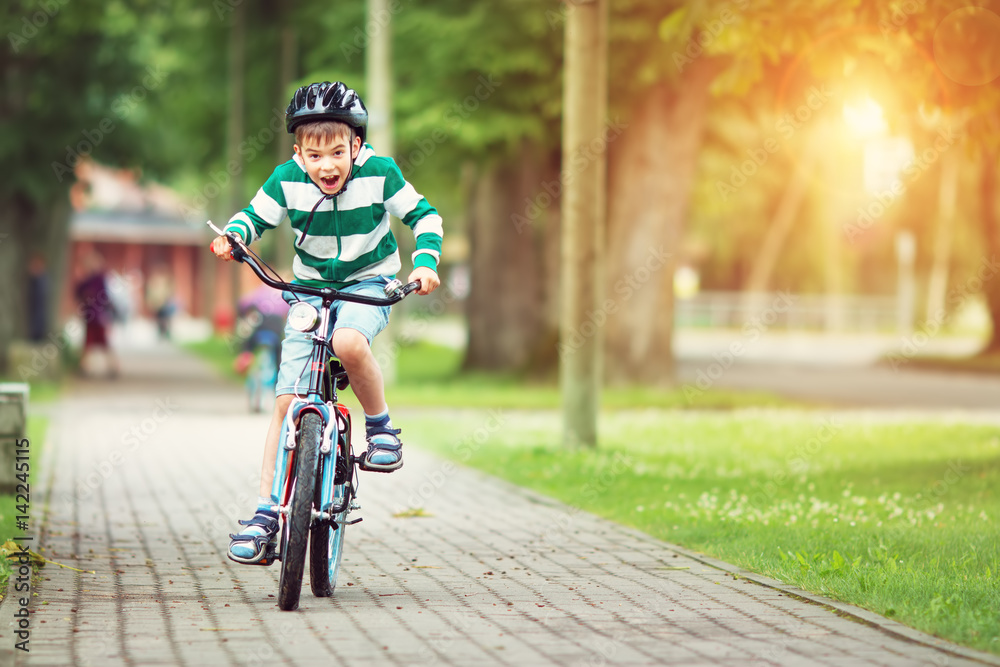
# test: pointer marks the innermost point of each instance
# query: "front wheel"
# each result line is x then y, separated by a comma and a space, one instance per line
296, 532
326, 546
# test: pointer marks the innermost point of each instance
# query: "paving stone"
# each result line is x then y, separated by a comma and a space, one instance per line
496, 575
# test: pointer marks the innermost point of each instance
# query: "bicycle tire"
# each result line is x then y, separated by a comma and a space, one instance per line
293, 558
326, 547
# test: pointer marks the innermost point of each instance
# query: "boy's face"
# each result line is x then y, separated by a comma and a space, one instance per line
328, 164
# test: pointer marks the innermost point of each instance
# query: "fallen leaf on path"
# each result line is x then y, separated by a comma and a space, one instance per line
412, 513
11, 549
223, 629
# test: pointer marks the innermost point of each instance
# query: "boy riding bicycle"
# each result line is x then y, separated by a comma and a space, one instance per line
338, 195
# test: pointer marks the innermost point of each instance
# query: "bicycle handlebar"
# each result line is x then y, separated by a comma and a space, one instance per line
241, 253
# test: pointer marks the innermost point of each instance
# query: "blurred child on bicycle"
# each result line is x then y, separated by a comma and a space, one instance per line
261, 322
338, 195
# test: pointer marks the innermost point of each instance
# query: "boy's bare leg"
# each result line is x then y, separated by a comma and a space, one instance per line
355, 354
281, 404
384, 448
249, 546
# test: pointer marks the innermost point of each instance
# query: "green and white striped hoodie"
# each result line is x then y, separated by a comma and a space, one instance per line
349, 237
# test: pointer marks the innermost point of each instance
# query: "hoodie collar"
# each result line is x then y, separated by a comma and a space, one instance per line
363, 155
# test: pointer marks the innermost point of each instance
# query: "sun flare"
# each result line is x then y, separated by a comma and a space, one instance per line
865, 117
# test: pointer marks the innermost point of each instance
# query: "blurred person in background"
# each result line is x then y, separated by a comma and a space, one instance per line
97, 310
38, 298
262, 322
160, 300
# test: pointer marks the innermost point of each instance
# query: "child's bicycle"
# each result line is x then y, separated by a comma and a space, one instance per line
314, 485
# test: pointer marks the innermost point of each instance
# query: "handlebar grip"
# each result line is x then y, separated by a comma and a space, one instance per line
237, 249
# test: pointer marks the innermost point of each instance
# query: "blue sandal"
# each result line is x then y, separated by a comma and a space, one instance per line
256, 549
385, 451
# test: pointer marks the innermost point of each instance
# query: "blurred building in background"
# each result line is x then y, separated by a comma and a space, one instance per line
140, 232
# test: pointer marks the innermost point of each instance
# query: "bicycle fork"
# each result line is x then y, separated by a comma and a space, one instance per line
336, 483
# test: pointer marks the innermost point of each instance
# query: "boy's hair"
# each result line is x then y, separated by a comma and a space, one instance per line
323, 131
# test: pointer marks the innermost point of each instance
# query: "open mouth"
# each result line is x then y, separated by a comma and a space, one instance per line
330, 183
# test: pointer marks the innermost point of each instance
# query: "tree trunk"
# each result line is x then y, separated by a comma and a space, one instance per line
991, 234
652, 169
26, 228
543, 360
12, 270
504, 303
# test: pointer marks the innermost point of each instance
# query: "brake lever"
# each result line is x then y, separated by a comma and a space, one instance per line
237, 250
395, 288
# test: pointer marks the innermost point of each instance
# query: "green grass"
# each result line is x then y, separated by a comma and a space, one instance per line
899, 518
219, 352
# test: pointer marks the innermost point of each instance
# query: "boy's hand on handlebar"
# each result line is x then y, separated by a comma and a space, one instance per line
429, 280
222, 248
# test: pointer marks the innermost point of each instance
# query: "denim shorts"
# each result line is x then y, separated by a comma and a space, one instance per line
296, 348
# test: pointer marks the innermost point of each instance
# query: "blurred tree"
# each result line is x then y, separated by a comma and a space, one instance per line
964, 97
76, 78
482, 98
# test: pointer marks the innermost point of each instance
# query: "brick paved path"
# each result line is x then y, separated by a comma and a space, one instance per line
145, 477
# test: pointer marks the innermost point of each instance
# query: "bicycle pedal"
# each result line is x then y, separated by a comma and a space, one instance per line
265, 561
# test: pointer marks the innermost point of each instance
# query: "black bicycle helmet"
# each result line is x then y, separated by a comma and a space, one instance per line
327, 101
